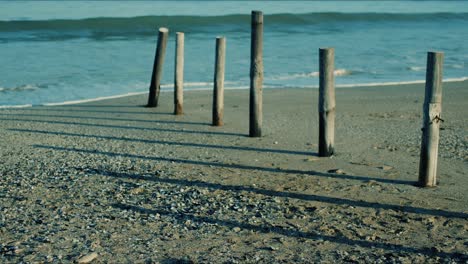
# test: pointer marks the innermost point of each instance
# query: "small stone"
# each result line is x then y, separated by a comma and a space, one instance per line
276, 142
236, 229
337, 171
138, 190
385, 167
272, 248
88, 258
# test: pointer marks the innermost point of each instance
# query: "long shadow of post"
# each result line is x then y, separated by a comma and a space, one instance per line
232, 166
110, 119
299, 196
126, 127
308, 197
171, 143
182, 217
70, 109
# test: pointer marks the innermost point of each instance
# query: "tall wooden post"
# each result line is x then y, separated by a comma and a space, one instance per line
157, 68
326, 102
256, 75
432, 109
218, 93
179, 75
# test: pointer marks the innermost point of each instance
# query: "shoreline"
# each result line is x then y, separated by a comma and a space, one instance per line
166, 89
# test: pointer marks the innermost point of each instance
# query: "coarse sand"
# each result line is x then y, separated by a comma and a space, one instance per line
115, 182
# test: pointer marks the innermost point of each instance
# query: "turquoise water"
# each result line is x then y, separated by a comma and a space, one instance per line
54, 51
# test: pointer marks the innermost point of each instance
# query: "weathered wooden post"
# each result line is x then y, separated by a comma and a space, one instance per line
432, 109
179, 75
157, 68
256, 75
326, 102
218, 93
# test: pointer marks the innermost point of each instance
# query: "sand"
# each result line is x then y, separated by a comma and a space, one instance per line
114, 182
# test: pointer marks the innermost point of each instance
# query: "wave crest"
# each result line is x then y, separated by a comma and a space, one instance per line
337, 72
23, 87
145, 25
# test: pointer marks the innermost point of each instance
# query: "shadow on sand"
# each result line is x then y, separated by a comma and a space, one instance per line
110, 119
293, 195
127, 127
170, 143
265, 228
230, 166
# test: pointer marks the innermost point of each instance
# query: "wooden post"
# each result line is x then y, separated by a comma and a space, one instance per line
326, 102
218, 93
432, 109
157, 68
256, 75
179, 75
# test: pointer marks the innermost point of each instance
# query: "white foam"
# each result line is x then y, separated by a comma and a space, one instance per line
23, 87
337, 72
456, 66
196, 84
342, 72
240, 87
416, 68
461, 79
15, 106
93, 99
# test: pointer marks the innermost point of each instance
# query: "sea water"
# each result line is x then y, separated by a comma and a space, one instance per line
59, 51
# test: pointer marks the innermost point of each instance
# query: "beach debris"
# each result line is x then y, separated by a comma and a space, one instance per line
385, 167
337, 171
312, 159
137, 190
88, 258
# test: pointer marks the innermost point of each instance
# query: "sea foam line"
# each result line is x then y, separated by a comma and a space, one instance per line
337, 72
92, 99
15, 106
461, 79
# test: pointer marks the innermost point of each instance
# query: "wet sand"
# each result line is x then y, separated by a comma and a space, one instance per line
140, 185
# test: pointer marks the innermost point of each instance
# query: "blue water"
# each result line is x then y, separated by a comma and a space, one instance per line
56, 51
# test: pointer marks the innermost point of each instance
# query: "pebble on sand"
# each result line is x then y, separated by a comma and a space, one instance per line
88, 258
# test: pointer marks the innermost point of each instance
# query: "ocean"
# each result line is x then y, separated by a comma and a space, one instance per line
53, 52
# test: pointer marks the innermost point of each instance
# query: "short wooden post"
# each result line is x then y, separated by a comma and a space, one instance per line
326, 102
179, 75
218, 93
157, 68
432, 109
256, 75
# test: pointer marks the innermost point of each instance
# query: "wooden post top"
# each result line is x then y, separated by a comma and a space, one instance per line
163, 30
257, 17
327, 48
436, 52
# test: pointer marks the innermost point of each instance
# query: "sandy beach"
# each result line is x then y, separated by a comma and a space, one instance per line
140, 185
